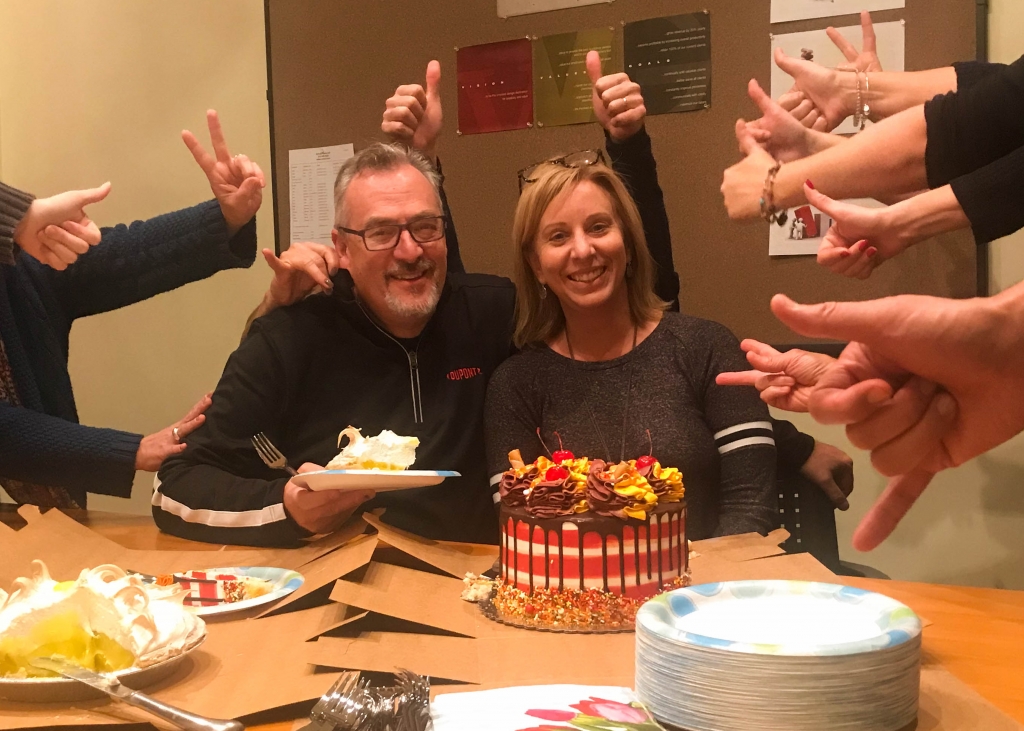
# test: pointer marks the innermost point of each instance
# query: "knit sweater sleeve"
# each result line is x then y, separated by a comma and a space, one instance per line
13, 207
48, 450
136, 262
743, 436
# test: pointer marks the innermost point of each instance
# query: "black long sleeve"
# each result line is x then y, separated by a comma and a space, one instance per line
969, 73
451, 237
969, 129
976, 145
792, 447
992, 197
634, 162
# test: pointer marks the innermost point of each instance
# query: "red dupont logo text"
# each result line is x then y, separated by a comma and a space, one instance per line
461, 374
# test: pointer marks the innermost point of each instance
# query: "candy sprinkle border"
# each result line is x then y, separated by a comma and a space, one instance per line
572, 610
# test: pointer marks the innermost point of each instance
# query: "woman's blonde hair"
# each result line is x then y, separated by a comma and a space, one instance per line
539, 319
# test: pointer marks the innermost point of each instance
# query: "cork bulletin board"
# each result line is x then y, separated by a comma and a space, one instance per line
333, 64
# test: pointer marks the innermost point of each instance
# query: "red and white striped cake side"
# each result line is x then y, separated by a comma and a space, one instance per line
635, 559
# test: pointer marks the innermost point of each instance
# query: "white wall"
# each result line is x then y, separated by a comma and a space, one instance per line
100, 90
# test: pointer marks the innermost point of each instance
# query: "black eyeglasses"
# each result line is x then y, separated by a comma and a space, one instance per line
580, 159
385, 236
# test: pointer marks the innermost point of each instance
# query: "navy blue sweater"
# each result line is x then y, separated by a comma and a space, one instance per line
41, 441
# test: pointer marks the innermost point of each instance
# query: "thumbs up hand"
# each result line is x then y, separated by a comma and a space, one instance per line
618, 103
57, 230
413, 113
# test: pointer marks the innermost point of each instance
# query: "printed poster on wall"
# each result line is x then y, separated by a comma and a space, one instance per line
508, 8
804, 229
784, 11
891, 53
495, 86
671, 60
562, 92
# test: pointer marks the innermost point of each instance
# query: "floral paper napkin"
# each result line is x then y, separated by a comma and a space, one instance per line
542, 708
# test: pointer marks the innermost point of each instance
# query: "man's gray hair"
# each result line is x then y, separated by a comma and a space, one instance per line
380, 157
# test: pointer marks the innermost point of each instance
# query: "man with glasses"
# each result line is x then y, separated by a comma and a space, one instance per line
398, 344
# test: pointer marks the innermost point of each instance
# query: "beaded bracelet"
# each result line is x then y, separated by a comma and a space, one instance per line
861, 110
768, 211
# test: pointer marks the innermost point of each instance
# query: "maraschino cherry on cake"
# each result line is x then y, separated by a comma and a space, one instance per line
584, 543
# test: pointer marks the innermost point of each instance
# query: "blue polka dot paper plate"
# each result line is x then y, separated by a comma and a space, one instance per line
778, 656
780, 618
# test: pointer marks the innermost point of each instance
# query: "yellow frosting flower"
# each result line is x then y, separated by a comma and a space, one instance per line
635, 487
673, 478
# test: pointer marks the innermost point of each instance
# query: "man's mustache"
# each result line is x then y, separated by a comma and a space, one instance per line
404, 270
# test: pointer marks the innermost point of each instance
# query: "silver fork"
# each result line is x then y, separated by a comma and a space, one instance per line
337, 708
271, 455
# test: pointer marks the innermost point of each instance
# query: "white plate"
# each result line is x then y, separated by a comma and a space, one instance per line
376, 480
284, 582
780, 618
778, 656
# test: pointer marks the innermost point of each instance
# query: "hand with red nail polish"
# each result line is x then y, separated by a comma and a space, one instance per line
860, 238
926, 384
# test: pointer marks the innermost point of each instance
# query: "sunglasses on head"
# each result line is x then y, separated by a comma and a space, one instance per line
531, 173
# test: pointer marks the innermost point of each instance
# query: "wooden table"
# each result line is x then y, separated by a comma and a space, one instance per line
976, 634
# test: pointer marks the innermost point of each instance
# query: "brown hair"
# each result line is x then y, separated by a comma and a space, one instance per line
538, 319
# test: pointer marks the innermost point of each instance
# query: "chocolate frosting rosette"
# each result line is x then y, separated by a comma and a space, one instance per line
557, 490
545, 489
620, 491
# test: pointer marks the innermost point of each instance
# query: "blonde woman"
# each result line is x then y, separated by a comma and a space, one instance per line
606, 367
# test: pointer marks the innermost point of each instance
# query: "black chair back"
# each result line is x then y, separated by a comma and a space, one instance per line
809, 516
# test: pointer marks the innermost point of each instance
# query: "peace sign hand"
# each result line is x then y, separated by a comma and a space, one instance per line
237, 182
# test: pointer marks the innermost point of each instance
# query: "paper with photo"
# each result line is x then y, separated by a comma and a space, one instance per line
786, 10
804, 229
311, 174
508, 8
562, 92
891, 53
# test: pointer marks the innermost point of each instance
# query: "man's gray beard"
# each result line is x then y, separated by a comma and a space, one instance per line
422, 306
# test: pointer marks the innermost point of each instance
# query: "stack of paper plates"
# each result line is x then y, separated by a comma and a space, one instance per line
785, 655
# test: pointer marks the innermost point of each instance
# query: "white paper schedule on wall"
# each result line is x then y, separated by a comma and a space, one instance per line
311, 187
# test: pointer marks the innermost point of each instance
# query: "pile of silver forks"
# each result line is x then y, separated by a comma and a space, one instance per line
352, 705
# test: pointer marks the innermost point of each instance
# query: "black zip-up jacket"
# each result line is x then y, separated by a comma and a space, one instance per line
303, 374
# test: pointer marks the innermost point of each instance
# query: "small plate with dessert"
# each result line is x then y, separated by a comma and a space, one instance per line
227, 590
379, 463
107, 620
